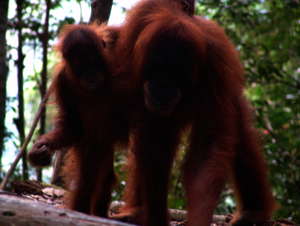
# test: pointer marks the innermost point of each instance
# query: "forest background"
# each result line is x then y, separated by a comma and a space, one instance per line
266, 32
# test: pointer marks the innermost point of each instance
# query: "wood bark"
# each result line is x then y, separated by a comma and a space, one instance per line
23, 212
20, 121
3, 72
100, 11
57, 177
44, 38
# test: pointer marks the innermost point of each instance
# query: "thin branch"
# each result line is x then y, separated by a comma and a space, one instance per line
27, 140
175, 215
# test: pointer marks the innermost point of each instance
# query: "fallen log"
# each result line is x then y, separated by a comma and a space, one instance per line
19, 211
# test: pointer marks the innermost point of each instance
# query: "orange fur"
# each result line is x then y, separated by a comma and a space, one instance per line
89, 121
188, 58
162, 72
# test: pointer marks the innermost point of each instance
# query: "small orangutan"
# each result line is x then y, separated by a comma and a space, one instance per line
88, 122
187, 76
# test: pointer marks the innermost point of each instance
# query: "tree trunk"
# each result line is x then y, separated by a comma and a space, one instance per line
20, 121
100, 11
23, 212
3, 73
57, 177
44, 74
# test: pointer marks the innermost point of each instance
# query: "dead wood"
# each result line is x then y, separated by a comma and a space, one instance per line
22, 212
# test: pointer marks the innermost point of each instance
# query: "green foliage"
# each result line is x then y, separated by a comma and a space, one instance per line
120, 168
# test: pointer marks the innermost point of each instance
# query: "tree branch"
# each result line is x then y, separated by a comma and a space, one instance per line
27, 140
100, 11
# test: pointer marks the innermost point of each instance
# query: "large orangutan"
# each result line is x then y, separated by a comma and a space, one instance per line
89, 122
187, 76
